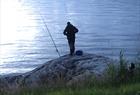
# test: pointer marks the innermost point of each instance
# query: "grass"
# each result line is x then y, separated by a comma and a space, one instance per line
123, 90
117, 81
127, 89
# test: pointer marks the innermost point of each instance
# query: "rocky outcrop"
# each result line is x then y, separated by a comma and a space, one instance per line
66, 69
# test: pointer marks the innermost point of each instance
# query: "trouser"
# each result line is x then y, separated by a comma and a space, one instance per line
71, 46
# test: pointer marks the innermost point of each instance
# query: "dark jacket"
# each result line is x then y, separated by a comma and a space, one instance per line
70, 31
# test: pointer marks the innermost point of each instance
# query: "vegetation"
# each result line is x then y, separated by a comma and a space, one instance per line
128, 89
118, 80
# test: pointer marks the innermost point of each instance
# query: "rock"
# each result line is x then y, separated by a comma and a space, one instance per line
66, 69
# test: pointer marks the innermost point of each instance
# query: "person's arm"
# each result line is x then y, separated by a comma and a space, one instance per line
75, 29
65, 31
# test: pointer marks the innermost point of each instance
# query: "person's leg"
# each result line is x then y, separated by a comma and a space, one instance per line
72, 43
73, 46
70, 46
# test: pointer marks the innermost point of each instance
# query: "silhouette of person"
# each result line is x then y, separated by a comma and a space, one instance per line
70, 31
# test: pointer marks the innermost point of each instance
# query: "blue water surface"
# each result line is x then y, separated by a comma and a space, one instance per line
105, 27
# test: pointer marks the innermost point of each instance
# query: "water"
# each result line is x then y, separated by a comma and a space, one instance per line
105, 27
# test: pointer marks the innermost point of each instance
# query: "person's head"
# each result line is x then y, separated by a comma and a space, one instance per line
68, 23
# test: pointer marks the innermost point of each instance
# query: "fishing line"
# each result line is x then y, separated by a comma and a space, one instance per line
47, 30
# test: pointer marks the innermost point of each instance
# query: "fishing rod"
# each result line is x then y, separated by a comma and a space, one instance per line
50, 35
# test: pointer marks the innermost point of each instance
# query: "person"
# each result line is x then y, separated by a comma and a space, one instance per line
70, 31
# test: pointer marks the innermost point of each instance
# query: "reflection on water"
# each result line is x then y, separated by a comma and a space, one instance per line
15, 36
107, 26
